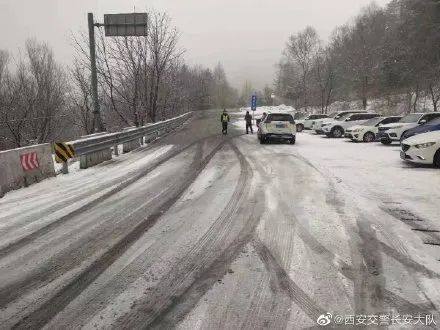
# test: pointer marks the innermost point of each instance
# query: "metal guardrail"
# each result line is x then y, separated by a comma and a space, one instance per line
99, 142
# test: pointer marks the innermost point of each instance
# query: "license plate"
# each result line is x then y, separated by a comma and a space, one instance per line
402, 155
280, 126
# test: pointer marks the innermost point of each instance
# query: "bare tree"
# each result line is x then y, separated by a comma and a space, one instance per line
36, 95
132, 70
302, 49
81, 98
162, 43
324, 76
4, 96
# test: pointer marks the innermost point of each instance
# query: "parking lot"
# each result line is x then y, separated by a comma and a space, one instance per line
374, 171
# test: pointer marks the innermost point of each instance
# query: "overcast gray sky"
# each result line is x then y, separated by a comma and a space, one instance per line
247, 36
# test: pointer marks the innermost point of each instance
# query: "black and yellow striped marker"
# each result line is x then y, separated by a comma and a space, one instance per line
63, 152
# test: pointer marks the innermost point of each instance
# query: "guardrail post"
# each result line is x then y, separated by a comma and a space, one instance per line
65, 168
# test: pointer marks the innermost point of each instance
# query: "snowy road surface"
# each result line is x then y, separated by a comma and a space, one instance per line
202, 231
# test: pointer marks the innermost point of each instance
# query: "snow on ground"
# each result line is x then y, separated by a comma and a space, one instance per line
374, 170
118, 166
63, 194
373, 178
188, 221
266, 236
72, 163
362, 183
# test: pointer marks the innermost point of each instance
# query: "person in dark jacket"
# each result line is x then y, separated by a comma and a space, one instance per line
224, 118
248, 119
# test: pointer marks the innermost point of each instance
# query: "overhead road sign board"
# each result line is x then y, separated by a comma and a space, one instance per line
126, 25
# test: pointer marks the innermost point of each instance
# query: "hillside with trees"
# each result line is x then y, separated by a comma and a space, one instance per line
383, 53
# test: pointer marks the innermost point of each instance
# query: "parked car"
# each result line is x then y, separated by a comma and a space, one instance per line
336, 128
299, 115
433, 125
367, 131
393, 132
306, 123
422, 149
277, 126
317, 124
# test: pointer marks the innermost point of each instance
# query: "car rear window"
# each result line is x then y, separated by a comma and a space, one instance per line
279, 117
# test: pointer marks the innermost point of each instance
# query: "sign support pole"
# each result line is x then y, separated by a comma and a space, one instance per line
97, 121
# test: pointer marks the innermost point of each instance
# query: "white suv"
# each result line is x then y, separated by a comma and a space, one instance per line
307, 122
317, 124
336, 128
393, 132
277, 126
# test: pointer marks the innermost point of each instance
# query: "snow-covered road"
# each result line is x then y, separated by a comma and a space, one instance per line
204, 231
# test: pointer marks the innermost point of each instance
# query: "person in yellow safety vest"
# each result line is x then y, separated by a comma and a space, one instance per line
224, 118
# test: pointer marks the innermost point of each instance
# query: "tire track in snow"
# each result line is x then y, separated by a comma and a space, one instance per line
184, 304
367, 272
86, 247
73, 191
120, 187
44, 313
296, 294
199, 260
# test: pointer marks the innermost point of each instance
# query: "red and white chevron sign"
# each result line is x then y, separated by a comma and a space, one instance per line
29, 161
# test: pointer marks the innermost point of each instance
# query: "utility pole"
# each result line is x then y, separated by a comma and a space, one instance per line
97, 120
116, 25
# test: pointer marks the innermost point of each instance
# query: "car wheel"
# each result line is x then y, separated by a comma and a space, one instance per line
299, 128
337, 132
262, 140
437, 159
293, 140
386, 142
369, 137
